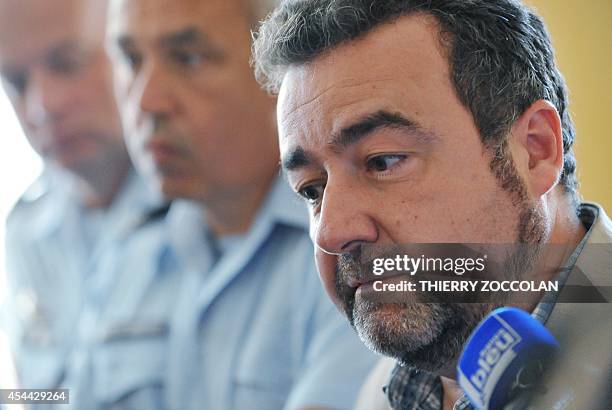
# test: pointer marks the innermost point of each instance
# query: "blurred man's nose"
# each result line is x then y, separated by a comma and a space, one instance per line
344, 221
47, 98
155, 94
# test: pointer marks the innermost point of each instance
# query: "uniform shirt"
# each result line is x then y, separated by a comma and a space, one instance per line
253, 328
118, 360
236, 323
51, 243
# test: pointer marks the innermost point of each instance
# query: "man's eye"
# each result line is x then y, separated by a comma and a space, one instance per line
311, 193
68, 62
65, 66
187, 58
132, 59
16, 83
381, 163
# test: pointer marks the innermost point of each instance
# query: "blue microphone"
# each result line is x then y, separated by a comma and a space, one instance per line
505, 355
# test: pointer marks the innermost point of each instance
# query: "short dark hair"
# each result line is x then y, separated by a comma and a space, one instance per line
499, 53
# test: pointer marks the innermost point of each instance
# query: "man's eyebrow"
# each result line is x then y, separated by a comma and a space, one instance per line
60, 49
188, 37
373, 122
297, 158
192, 37
64, 48
185, 37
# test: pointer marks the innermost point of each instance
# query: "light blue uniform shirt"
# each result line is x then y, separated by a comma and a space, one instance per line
51, 245
118, 360
254, 331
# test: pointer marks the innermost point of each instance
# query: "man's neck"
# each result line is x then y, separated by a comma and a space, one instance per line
568, 228
97, 190
234, 214
566, 232
451, 392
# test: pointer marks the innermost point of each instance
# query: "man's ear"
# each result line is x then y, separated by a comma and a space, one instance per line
537, 143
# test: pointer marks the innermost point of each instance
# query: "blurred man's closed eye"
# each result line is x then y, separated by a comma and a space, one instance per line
15, 83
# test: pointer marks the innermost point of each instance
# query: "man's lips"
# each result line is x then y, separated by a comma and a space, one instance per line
163, 152
355, 283
365, 286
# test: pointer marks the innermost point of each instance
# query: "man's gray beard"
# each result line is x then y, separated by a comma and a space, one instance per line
427, 333
424, 335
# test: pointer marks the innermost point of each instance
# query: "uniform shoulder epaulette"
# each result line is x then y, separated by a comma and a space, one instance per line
33, 194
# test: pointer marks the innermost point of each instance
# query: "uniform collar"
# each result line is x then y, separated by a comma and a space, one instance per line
600, 230
191, 241
279, 206
283, 206
58, 203
53, 202
594, 258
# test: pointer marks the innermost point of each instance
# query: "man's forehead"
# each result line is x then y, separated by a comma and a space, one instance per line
394, 64
151, 19
145, 17
309, 88
31, 28
314, 122
22, 9
406, 50
148, 9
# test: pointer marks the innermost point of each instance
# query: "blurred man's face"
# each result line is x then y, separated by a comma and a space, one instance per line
56, 74
196, 121
373, 136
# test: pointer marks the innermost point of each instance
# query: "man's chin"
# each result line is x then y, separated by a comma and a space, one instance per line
172, 187
78, 163
392, 329
424, 335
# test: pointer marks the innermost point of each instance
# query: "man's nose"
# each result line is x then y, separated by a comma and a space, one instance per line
345, 220
47, 98
155, 91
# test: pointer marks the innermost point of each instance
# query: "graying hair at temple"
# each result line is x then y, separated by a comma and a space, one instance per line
499, 52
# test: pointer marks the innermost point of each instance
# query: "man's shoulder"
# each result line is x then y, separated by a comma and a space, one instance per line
34, 201
582, 327
595, 257
601, 225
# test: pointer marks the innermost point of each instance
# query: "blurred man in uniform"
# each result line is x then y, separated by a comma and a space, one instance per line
251, 327
58, 78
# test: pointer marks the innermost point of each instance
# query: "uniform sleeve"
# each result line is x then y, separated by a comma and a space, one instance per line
335, 362
18, 280
24, 319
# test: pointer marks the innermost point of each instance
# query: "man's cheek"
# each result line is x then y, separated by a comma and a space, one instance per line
326, 265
